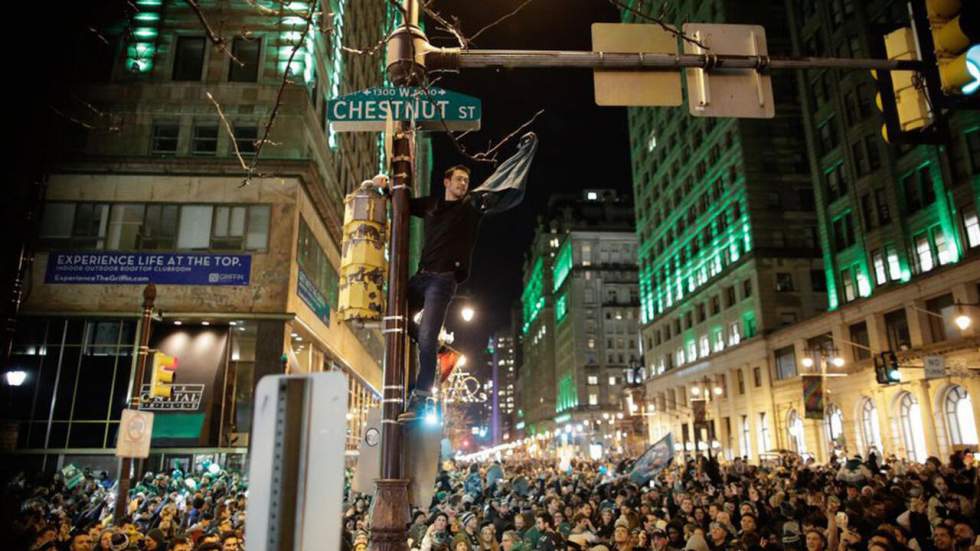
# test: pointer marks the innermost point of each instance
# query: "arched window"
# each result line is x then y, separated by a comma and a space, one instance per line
795, 428
834, 423
870, 429
959, 416
910, 421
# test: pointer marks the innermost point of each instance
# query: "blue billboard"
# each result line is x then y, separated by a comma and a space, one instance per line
126, 268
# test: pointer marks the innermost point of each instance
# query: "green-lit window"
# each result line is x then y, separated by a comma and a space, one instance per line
748, 320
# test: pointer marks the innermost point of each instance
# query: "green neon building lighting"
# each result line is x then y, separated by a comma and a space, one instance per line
567, 395
141, 47
563, 264
748, 322
532, 299
337, 55
561, 308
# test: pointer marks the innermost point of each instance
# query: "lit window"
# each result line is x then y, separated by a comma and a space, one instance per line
593, 379
679, 356
612, 381
942, 247
704, 345
719, 341
593, 399
894, 269
924, 253
972, 224
881, 271
734, 334
591, 196
692, 351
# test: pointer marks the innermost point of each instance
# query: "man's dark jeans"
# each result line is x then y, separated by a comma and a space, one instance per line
431, 293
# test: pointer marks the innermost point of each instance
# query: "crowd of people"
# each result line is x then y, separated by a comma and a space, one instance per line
175, 511
525, 504
697, 504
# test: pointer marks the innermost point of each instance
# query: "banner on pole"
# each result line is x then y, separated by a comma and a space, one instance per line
813, 396
654, 460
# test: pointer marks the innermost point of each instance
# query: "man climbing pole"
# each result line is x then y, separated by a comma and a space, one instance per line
451, 226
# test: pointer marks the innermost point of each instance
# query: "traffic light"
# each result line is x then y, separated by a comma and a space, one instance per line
886, 368
911, 98
955, 29
164, 367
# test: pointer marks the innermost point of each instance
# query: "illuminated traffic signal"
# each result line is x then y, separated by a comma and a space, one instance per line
164, 367
955, 27
886, 369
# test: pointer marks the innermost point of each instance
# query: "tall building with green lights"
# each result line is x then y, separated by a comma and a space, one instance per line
829, 256
581, 318
887, 213
728, 245
245, 270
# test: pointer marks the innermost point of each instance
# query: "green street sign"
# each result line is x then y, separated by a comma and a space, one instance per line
432, 109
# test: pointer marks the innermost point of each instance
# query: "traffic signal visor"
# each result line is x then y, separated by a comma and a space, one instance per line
910, 96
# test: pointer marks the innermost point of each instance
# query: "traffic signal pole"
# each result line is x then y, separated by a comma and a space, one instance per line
406, 67
126, 463
455, 58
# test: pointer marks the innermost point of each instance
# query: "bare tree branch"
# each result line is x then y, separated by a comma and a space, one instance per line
446, 26
282, 88
659, 21
500, 20
219, 41
231, 132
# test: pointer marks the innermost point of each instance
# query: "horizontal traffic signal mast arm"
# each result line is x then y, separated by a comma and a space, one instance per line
454, 58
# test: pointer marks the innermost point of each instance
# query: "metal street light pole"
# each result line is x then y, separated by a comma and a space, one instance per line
406, 66
125, 463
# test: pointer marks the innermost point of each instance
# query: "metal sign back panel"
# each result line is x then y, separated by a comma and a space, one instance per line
431, 109
296, 468
741, 93
632, 87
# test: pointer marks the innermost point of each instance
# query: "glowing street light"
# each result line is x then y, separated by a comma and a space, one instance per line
837, 361
15, 378
467, 313
807, 362
963, 321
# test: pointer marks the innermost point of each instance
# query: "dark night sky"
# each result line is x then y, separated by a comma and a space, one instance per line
581, 145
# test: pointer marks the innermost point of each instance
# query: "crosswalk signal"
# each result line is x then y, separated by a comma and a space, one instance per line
162, 378
955, 29
886, 369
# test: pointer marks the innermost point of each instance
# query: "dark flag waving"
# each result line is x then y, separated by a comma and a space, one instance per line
654, 460
504, 188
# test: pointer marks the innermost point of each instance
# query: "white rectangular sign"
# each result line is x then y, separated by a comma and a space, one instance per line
135, 432
296, 468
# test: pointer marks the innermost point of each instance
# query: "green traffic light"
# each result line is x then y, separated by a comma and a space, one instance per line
972, 67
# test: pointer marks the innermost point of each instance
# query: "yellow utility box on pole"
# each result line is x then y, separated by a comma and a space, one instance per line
363, 264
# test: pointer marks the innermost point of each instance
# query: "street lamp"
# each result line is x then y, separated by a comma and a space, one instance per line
467, 313
15, 378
